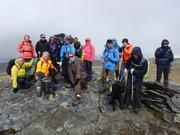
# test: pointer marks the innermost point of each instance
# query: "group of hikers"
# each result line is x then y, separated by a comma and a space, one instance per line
66, 56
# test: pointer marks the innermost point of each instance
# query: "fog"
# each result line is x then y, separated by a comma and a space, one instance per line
144, 22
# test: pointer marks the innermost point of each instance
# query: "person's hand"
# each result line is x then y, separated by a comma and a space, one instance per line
108, 56
125, 71
123, 47
59, 63
132, 70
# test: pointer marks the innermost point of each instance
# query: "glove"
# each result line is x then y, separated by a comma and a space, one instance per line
132, 70
125, 71
123, 47
59, 63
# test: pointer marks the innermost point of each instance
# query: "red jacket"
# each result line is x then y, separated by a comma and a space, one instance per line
26, 50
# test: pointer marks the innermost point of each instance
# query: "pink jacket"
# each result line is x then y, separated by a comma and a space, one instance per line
89, 51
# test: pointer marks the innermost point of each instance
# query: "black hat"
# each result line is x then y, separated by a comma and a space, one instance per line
164, 41
109, 41
125, 40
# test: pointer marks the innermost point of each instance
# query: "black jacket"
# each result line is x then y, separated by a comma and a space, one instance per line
41, 47
140, 66
164, 55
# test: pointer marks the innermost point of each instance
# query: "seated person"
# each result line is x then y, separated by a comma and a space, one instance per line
42, 72
18, 74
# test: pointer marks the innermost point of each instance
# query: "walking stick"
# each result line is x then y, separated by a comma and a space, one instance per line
132, 94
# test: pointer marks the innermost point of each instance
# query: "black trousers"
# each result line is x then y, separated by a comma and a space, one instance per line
65, 72
165, 69
88, 67
137, 89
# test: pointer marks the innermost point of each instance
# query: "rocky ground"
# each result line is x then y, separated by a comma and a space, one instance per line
26, 114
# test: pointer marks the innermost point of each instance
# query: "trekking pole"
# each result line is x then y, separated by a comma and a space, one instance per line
132, 94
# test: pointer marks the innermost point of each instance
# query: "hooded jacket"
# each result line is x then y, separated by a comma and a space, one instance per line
88, 52
76, 71
126, 52
44, 67
110, 63
164, 55
140, 65
19, 71
78, 49
41, 46
26, 49
65, 50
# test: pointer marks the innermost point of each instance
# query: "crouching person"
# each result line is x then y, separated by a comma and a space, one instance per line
110, 59
18, 74
44, 83
137, 67
77, 75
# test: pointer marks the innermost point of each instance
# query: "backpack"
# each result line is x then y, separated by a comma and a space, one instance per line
11, 63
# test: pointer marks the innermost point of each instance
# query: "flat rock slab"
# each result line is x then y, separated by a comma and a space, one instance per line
26, 114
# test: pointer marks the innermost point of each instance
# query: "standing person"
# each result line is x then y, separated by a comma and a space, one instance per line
41, 46
54, 55
18, 74
88, 57
126, 51
42, 71
110, 58
66, 49
77, 76
26, 49
78, 49
164, 56
117, 47
137, 66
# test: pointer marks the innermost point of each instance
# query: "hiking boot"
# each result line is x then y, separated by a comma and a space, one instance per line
15, 90
137, 110
67, 85
39, 94
76, 102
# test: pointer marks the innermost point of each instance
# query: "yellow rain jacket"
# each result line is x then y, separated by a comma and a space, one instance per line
18, 71
44, 67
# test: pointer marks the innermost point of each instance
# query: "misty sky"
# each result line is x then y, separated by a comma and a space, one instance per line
144, 22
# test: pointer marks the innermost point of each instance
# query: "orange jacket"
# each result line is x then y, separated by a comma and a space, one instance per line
26, 50
127, 52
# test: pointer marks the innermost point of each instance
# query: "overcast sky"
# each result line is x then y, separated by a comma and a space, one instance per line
144, 22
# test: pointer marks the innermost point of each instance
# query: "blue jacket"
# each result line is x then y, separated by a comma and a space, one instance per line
110, 63
66, 49
164, 56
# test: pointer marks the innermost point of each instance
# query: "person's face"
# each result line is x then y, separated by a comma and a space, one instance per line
165, 45
88, 42
114, 43
109, 45
26, 38
71, 59
43, 38
136, 57
52, 40
21, 61
45, 57
75, 40
124, 43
